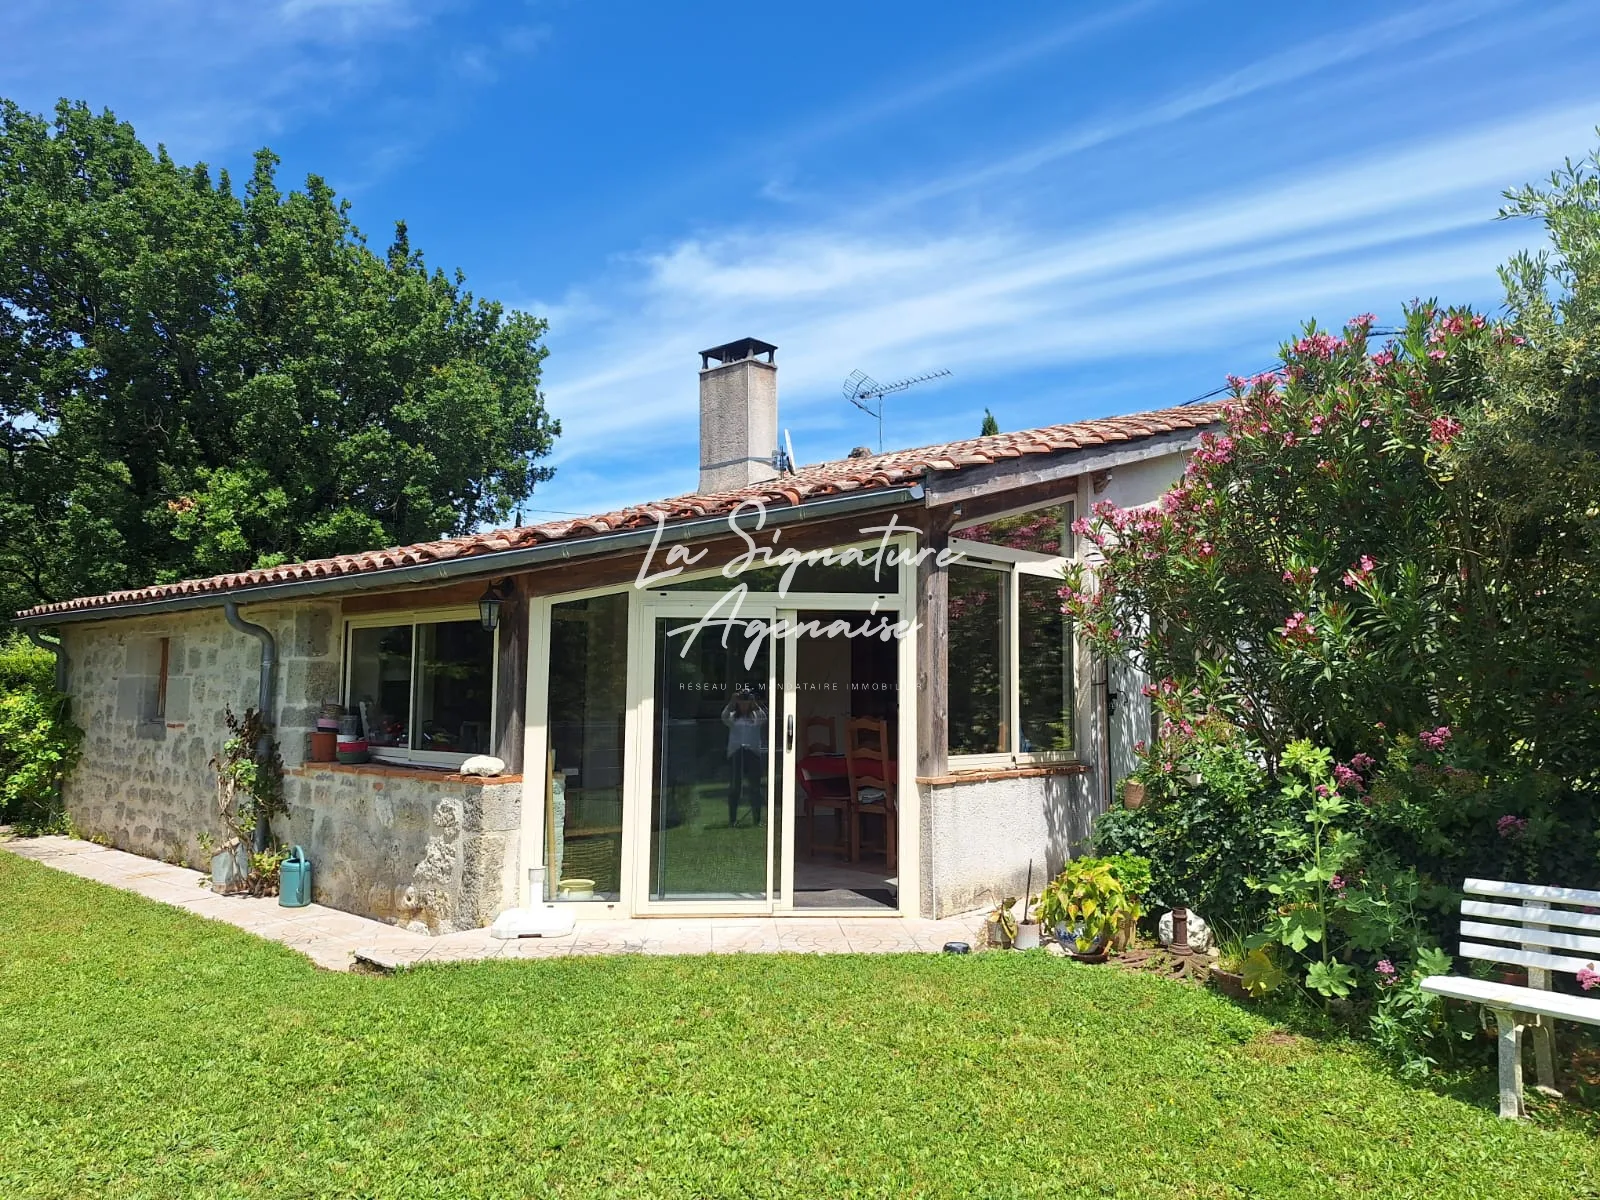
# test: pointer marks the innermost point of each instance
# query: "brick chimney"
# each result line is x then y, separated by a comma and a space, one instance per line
738, 414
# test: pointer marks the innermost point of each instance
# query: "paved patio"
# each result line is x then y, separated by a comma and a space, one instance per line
339, 940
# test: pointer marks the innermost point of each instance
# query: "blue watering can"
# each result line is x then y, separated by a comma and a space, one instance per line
294, 880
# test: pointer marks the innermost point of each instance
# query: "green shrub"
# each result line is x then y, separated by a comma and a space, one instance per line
1203, 840
38, 742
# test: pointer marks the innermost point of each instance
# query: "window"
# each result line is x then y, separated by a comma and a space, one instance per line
1044, 666
977, 659
1010, 658
423, 688
1041, 531
155, 689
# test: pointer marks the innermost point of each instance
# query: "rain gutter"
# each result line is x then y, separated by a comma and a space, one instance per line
498, 562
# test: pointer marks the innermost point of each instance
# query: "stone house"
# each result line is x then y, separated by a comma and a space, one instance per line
801, 689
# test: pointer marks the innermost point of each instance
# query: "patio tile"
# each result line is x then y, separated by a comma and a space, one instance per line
337, 940
538, 947
390, 958
879, 937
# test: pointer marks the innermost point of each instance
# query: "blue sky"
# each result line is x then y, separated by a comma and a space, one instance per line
1077, 209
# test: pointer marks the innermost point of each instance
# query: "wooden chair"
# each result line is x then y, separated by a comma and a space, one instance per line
824, 793
866, 754
814, 745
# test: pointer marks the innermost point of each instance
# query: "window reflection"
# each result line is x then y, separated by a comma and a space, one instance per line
976, 659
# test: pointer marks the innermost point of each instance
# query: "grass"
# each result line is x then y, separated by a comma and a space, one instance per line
146, 1052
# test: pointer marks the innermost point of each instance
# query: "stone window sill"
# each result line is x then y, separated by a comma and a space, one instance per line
987, 774
390, 771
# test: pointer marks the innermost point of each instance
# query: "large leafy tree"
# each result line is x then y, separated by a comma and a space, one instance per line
194, 380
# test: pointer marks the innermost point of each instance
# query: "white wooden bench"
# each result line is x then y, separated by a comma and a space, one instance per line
1545, 930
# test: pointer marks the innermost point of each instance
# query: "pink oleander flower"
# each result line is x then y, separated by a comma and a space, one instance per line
1510, 826
1436, 354
1383, 358
1444, 429
1435, 739
1345, 776
1318, 345
1362, 320
1360, 573
1362, 761
1588, 978
1298, 628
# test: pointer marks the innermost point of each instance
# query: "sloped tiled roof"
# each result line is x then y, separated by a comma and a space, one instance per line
899, 468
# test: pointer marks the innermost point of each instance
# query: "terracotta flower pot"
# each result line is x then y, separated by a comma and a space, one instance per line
1229, 983
1123, 938
324, 744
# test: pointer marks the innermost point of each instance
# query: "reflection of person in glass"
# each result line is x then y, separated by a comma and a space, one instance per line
746, 720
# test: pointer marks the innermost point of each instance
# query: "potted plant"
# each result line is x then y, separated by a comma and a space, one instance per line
1132, 871
1133, 793
1001, 926
1227, 970
1085, 905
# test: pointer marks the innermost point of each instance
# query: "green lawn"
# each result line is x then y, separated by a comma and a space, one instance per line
145, 1052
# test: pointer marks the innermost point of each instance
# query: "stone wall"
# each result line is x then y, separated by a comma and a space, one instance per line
145, 781
980, 837
432, 852
411, 847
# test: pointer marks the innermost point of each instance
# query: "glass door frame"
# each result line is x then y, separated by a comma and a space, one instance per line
692, 607
783, 751
643, 605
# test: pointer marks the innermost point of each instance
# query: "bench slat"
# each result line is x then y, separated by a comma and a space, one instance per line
1529, 891
1521, 936
1585, 1009
1525, 958
1515, 912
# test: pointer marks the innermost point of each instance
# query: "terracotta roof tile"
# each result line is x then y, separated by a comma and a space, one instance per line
896, 468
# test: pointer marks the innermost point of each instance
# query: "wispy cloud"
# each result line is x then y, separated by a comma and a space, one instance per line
1371, 231
212, 80
853, 118
1274, 71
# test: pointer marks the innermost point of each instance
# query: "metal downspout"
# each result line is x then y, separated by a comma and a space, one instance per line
268, 689
55, 647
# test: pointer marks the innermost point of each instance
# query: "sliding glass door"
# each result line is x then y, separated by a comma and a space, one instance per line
714, 757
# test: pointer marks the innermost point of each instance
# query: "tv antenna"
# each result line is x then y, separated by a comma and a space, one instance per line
863, 390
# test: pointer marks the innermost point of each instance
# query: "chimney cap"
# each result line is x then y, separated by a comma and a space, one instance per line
737, 352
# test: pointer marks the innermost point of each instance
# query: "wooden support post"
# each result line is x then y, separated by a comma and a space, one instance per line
933, 636
511, 679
